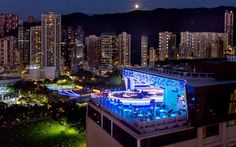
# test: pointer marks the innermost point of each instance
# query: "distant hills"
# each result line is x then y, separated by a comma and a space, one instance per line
150, 23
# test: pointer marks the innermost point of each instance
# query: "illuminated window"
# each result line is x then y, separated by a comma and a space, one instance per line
231, 123
232, 103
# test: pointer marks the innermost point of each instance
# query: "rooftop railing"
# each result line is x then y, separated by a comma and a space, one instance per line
183, 74
143, 126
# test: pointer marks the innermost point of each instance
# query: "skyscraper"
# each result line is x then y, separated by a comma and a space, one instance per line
79, 34
51, 41
77, 55
109, 50
229, 25
167, 45
152, 56
9, 55
11, 22
2, 23
124, 49
35, 46
203, 45
144, 50
24, 44
185, 45
93, 51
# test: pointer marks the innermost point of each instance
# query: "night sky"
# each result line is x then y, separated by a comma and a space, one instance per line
25, 8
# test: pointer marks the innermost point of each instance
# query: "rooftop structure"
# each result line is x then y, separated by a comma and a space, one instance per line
160, 103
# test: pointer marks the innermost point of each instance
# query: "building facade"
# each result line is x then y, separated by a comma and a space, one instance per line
77, 55
144, 51
152, 56
24, 44
229, 26
124, 49
109, 51
175, 109
167, 46
11, 22
93, 51
51, 41
10, 56
2, 24
35, 46
199, 45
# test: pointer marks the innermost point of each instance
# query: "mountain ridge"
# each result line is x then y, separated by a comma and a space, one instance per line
150, 23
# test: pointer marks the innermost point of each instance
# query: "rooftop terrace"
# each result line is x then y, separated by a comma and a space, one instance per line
142, 120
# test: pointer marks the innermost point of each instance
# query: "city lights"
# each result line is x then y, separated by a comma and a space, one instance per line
141, 73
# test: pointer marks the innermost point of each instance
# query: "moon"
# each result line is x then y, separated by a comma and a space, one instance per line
136, 6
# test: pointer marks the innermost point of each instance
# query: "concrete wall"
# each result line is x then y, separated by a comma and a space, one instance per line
97, 137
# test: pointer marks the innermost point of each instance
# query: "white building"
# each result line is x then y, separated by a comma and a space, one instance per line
51, 42
45, 48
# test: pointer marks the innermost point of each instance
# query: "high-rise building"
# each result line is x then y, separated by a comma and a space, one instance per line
65, 50
51, 41
11, 22
77, 50
185, 45
77, 55
93, 51
199, 45
24, 44
124, 49
79, 34
152, 56
9, 54
109, 50
2, 24
229, 25
35, 46
69, 41
70, 35
144, 51
167, 46
172, 49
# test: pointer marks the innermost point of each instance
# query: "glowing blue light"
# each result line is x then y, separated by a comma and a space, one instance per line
173, 115
164, 116
140, 115
154, 80
162, 110
158, 117
125, 110
112, 102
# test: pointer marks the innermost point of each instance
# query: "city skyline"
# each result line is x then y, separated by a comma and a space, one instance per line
92, 7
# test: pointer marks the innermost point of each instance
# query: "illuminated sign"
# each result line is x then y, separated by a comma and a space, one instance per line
154, 80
